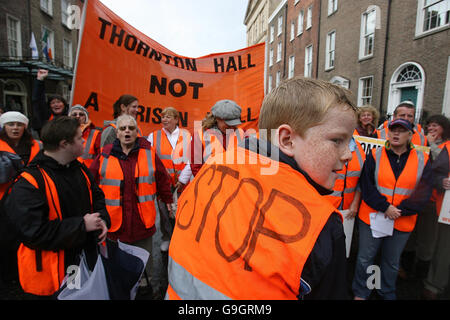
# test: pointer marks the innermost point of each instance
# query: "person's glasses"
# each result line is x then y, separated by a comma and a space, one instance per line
81, 114
123, 128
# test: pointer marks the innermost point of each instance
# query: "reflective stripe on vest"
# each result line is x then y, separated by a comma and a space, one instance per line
89, 152
396, 190
240, 234
111, 180
41, 272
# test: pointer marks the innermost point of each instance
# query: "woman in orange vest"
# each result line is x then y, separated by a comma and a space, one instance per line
368, 118
17, 149
91, 135
219, 130
261, 228
131, 175
168, 141
395, 185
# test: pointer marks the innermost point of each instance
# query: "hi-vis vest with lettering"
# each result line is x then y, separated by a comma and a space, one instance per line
418, 137
174, 159
111, 180
345, 186
396, 190
243, 235
212, 142
41, 272
35, 148
89, 152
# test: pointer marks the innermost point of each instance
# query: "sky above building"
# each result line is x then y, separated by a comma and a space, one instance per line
192, 28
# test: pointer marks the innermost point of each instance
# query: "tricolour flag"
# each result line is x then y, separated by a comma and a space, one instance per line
46, 45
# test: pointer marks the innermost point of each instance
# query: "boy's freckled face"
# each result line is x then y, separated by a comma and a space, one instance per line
323, 149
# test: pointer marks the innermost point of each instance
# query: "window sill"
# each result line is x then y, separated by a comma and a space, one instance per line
328, 69
431, 32
361, 59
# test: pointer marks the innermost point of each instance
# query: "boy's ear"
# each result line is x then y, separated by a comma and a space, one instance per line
286, 139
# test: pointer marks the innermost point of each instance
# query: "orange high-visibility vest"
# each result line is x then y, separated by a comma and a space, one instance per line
345, 187
418, 137
212, 142
89, 152
35, 148
173, 161
240, 234
111, 179
41, 272
396, 190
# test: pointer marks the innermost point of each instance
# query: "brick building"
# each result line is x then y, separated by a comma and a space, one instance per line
21, 19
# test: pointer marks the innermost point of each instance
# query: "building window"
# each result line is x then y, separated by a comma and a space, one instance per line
47, 6
278, 79
14, 37
64, 7
308, 61
410, 73
272, 33
365, 91
332, 6
269, 86
300, 23
367, 39
279, 51
280, 25
271, 57
48, 43
330, 50
67, 52
432, 15
296, 1
291, 67
292, 30
309, 18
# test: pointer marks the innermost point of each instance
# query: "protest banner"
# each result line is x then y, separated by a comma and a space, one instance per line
114, 58
369, 143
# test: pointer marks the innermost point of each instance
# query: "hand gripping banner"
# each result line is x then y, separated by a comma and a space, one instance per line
114, 59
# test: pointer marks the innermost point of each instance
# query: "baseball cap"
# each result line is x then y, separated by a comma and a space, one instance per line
228, 111
401, 122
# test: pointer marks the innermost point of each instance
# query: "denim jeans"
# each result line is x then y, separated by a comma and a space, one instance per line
391, 250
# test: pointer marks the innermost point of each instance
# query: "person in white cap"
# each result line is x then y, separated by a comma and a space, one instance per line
91, 134
219, 130
17, 149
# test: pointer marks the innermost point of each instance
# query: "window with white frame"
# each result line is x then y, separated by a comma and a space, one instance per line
14, 37
300, 23
271, 57
272, 33
309, 18
291, 67
269, 85
292, 30
67, 53
47, 6
280, 25
279, 51
64, 7
330, 50
296, 1
367, 39
332, 6
308, 61
365, 91
278, 79
432, 15
50, 40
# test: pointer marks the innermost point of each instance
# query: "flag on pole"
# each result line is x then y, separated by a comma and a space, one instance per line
46, 50
33, 46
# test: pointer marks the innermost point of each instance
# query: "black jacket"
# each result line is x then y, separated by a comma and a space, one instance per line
441, 168
27, 209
